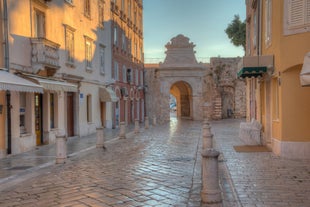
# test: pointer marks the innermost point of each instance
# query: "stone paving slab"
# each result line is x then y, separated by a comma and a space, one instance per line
161, 167
153, 168
261, 178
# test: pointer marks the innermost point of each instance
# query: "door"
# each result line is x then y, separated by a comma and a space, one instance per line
103, 113
70, 117
38, 118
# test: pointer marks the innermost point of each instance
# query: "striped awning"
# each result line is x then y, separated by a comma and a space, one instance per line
52, 84
305, 71
107, 95
11, 82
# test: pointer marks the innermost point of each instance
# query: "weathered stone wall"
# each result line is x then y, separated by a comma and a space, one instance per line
215, 83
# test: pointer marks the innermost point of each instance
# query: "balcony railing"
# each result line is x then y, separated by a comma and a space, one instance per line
45, 54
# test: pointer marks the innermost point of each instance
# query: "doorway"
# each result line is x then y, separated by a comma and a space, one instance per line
38, 118
182, 92
103, 113
70, 114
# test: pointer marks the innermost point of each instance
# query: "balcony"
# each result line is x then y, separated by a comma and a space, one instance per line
44, 56
255, 66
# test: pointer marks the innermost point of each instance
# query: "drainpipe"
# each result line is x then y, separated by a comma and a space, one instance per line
7, 66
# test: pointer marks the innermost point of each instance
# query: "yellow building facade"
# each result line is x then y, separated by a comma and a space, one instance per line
67, 51
278, 46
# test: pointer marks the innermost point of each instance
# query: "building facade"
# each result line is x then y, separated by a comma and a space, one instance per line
193, 85
276, 70
126, 28
67, 49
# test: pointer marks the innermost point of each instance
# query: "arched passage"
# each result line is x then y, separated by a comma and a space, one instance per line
182, 91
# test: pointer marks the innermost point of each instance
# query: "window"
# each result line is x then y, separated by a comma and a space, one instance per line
52, 111
123, 41
115, 71
124, 74
137, 77
101, 13
129, 9
88, 53
102, 68
69, 36
275, 96
129, 75
115, 35
89, 108
268, 18
123, 5
255, 29
141, 77
296, 16
39, 20
22, 112
87, 8
69, 1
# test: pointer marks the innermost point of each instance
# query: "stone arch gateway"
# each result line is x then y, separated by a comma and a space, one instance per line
193, 84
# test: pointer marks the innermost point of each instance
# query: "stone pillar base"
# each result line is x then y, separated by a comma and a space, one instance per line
146, 120
2, 153
154, 121
122, 130
100, 138
137, 127
61, 149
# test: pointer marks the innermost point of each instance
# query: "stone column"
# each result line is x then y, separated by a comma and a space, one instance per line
146, 122
137, 127
122, 130
100, 137
211, 192
207, 136
154, 121
61, 149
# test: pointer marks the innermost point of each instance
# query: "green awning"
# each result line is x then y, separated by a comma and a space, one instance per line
248, 72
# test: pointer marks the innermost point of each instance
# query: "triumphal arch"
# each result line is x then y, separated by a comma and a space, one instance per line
192, 83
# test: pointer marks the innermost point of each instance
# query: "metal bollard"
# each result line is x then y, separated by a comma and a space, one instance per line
154, 121
122, 130
207, 136
137, 127
211, 192
61, 149
146, 122
100, 138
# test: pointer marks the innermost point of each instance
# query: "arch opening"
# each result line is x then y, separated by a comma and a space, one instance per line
182, 92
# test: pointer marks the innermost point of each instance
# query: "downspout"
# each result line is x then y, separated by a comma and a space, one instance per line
7, 66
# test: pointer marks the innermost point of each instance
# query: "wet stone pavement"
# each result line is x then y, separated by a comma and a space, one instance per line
160, 166
153, 168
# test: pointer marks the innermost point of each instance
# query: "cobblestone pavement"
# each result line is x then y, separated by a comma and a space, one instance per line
160, 166
262, 179
153, 168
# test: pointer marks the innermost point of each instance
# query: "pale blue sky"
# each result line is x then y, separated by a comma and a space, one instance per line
202, 21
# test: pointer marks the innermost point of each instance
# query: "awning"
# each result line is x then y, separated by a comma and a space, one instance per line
53, 85
11, 82
107, 95
305, 71
252, 72
254, 66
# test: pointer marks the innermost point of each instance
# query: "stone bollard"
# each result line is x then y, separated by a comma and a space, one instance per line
137, 127
154, 121
207, 136
122, 130
100, 138
61, 149
146, 122
211, 192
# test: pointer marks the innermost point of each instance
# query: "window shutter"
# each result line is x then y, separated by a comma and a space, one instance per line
296, 12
